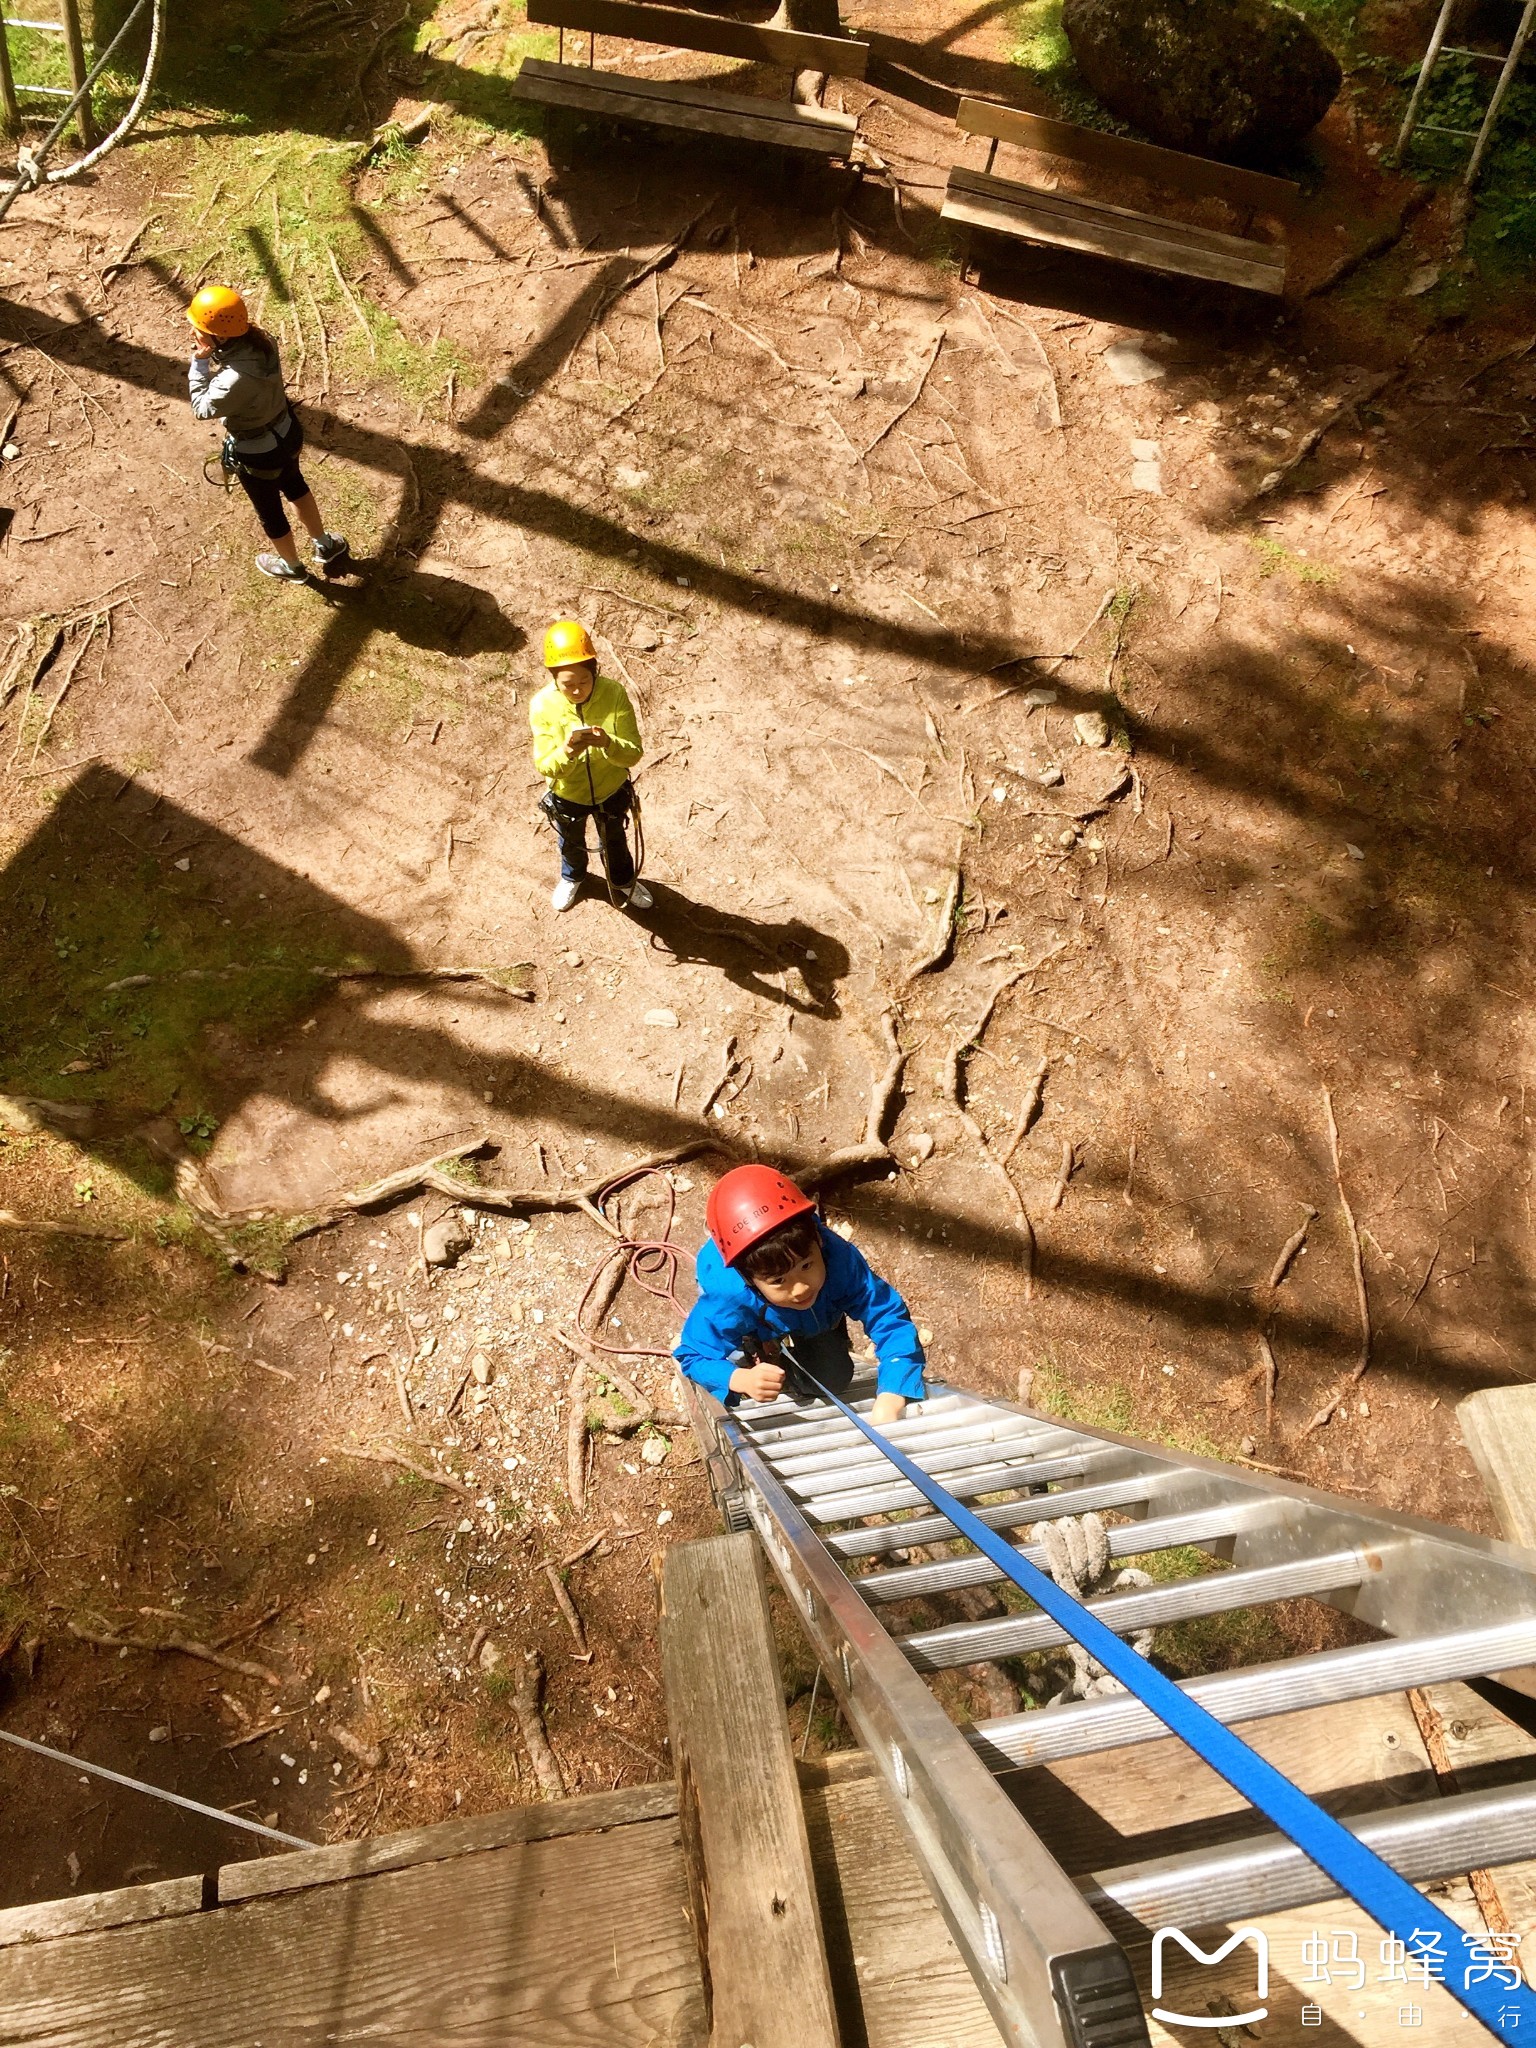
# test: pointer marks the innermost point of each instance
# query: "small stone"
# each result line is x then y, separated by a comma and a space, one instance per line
480, 1366
1354, 852
1365, 1407
183, 864
1424, 279
629, 479
922, 1147
1050, 777
1146, 468
1248, 1447
1128, 364
663, 1518
159, 1734
518, 1225
444, 1242
654, 1450
645, 639
1090, 730
1068, 838
571, 959
322, 1696
1036, 700
9, 452
490, 1656
664, 1020
925, 1336
501, 1249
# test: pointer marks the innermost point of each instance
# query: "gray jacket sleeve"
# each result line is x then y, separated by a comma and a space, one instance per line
202, 388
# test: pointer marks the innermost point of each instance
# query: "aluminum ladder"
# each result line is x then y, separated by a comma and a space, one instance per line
1480, 137
1045, 1946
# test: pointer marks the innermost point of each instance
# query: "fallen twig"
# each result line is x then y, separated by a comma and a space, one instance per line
402, 1391
576, 1437
1357, 1371
944, 934
1310, 439
255, 1734
383, 1454
1067, 1169
567, 1607
1029, 1109
1104, 605
487, 975
728, 1066
1271, 1378
642, 1410
1291, 1247
9, 1221
530, 1720
182, 1645
368, 1754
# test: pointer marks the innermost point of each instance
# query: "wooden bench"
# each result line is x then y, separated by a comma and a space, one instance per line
1067, 220
707, 108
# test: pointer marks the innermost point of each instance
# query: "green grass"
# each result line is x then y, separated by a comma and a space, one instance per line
1041, 51
1095, 1408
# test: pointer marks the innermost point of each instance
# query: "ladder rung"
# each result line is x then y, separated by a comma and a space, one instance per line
936, 1649
1129, 1539
1076, 1500
47, 28
1117, 1720
769, 1422
841, 1479
1461, 134
1266, 1873
847, 1507
1482, 56
46, 92
943, 1435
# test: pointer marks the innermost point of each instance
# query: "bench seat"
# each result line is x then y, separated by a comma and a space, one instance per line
668, 104
1064, 220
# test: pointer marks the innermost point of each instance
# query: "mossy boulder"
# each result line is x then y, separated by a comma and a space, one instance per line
1227, 78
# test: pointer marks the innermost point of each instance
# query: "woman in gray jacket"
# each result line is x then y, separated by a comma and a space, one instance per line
236, 376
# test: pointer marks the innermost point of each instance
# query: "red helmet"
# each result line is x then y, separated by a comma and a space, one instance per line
747, 1203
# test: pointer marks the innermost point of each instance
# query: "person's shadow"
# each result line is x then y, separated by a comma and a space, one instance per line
368, 596
791, 962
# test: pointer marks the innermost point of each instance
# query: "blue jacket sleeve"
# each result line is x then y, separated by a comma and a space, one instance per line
712, 1331
889, 1326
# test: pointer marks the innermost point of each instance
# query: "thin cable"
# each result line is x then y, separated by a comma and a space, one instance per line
652, 1264
233, 1820
1396, 1905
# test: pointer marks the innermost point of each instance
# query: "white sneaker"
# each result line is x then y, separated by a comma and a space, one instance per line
564, 893
639, 898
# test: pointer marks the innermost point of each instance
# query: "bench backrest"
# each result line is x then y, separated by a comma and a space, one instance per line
1198, 174
683, 28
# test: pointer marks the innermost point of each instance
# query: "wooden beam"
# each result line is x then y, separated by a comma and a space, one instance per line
79, 70
1062, 220
754, 1890
564, 1944
1251, 189
680, 28
1498, 1427
10, 113
92, 1911
780, 123
265, 1876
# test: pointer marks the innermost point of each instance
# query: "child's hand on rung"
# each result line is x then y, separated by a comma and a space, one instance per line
763, 1382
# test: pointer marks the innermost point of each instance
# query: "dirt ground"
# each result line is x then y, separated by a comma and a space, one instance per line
869, 536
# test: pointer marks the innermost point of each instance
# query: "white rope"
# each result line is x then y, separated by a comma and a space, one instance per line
1077, 1557
233, 1820
29, 163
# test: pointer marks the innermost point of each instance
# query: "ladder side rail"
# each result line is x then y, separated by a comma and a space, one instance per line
1016, 1917
1500, 91
1426, 72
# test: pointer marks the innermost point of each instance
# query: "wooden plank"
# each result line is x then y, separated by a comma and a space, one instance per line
577, 1942
92, 1911
1016, 215
79, 71
899, 1980
1127, 218
267, 1875
680, 28
886, 73
1498, 1427
755, 1895
646, 100
1135, 159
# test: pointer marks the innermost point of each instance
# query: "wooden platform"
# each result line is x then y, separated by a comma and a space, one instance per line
1070, 220
783, 124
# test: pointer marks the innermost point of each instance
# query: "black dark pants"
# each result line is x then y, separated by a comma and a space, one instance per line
570, 823
827, 1357
267, 493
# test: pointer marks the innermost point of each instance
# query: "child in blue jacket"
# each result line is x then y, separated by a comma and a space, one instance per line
771, 1275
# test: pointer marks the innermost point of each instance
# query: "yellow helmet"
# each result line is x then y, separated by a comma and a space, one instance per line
566, 643
220, 311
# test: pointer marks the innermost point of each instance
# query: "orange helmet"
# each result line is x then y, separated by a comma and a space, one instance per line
566, 643
220, 311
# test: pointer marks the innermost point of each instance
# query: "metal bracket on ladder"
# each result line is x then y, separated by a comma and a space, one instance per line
1043, 1943
1480, 138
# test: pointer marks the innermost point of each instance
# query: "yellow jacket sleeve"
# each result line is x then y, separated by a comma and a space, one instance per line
551, 719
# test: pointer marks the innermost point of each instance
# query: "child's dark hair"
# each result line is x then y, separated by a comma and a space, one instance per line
780, 1251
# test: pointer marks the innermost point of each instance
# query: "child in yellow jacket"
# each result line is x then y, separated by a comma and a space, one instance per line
585, 741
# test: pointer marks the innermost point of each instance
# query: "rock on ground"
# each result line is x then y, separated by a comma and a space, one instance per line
1228, 78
